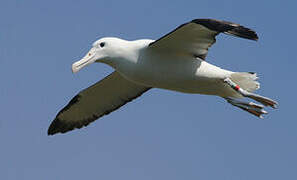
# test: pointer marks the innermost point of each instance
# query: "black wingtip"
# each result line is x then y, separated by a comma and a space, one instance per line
243, 32
58, 126
53, 129
228, 28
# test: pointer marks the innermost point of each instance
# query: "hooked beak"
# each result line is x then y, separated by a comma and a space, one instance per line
88, 59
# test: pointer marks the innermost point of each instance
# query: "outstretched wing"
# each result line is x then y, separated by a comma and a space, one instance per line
97, 100
196, 36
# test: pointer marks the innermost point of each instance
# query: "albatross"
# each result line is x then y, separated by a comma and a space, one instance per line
176, 61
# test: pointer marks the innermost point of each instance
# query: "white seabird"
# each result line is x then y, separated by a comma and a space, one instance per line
175, 62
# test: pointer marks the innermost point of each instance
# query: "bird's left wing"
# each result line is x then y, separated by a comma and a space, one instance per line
195, 37
97, 100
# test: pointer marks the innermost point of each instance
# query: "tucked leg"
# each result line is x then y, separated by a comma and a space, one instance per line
253, 108
264, 100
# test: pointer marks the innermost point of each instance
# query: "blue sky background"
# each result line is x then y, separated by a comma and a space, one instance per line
163, 134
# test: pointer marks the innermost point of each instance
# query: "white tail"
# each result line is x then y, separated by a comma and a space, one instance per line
246, 80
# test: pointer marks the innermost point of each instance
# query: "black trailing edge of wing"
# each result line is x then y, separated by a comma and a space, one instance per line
227, 27
59, 126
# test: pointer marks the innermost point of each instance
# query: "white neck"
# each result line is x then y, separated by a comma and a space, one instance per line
125, 52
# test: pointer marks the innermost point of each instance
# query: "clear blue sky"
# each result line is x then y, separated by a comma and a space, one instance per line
163, 134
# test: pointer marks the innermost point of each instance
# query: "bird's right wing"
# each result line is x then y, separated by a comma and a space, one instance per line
97, 100
195, 37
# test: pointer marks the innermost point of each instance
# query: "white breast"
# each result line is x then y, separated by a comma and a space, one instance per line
178, 73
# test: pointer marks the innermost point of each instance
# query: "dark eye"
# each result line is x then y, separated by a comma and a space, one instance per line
102, 44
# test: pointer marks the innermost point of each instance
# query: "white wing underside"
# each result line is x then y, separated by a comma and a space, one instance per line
191, 39
195, 37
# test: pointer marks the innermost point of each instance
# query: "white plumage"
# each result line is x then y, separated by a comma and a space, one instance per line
175, 62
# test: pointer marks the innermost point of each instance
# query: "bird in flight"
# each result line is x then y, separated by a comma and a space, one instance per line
176, 61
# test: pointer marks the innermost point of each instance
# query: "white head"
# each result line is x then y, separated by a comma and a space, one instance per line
108, 50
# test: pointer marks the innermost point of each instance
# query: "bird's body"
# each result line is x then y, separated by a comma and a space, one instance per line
177, 72
176, 61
